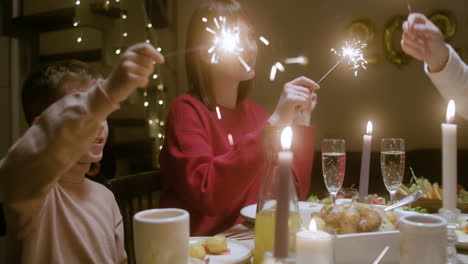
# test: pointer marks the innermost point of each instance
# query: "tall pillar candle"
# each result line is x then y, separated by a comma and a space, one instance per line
449, 159
285, 158
365, 162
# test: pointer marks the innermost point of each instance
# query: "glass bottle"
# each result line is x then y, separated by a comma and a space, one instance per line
266, 204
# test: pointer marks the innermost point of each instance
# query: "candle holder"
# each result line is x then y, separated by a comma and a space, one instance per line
451, 215
362, 199
269, 258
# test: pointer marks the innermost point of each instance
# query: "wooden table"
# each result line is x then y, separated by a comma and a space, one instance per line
247, 228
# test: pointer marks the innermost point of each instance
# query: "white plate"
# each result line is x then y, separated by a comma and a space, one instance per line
240, 252
305, 208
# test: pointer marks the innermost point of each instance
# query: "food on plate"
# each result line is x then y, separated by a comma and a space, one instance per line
417, 209
216, 244
462, 226
429, 190
355, 217
375, 199
197, 250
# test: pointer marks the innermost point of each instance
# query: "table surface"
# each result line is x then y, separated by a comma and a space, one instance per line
247, 229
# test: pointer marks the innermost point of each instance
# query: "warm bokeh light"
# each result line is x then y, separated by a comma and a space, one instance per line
286, 138
451, 112
369, 128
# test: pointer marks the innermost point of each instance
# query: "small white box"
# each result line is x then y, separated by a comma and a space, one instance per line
365, 247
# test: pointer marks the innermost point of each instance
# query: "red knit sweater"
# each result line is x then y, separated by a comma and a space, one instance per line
212, 179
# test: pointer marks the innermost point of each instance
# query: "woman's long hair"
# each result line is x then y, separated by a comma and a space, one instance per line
197, 36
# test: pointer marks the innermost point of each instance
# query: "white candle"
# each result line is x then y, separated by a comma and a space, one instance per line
449, 159
314, 247
285, 159
365, 162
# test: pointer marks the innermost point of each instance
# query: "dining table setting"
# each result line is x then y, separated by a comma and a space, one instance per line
422, 222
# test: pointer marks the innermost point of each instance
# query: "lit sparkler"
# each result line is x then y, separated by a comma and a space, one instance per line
352, 52
226, 41
409, 6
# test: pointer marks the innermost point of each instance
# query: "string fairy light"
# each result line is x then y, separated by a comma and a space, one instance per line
123, 34
76, 22
155, 91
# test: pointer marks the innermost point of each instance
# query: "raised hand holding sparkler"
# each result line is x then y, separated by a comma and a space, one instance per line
299, 94
423, 40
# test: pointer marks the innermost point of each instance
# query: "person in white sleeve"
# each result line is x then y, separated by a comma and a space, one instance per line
424, 41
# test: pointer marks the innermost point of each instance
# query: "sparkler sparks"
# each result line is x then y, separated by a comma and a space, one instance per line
352, 52
274, 69
231, 140
280, 66
218, 113
226, 41
273, 72
303, 60
264, 40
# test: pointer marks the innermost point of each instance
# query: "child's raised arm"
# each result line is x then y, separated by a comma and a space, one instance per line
64, 131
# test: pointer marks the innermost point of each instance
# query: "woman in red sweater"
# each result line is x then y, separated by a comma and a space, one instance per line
212, 160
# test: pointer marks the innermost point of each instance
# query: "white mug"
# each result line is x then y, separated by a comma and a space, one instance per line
161, 236
423, 239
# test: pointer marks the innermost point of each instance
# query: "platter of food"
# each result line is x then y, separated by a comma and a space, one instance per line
431, 199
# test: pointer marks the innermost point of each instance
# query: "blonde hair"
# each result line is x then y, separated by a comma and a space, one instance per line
197, 37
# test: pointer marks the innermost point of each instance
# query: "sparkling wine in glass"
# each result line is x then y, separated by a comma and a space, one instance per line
392, 163
333, 165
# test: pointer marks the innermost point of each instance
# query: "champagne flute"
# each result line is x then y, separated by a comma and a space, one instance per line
392, 163
333, 165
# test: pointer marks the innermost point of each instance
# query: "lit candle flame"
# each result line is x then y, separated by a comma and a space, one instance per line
286, 138
451, 112
313, 225
369, 128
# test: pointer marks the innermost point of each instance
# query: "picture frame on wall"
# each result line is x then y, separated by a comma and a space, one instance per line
160, 12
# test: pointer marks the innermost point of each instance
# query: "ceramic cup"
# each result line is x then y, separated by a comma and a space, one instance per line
423, 239
161, 236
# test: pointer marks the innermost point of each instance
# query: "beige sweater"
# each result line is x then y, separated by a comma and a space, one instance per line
54, 214
452, 82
